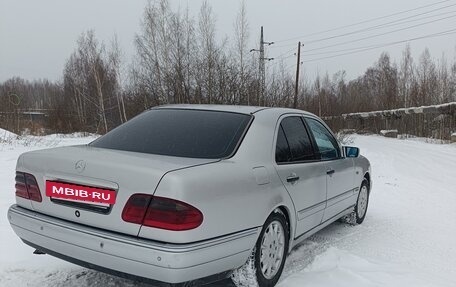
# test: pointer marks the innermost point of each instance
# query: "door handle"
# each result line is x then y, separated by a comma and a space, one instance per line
292, 178
330, 171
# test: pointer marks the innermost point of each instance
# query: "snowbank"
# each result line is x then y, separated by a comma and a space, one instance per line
422, 139
434, 109
11, 140
389, 133
6, 135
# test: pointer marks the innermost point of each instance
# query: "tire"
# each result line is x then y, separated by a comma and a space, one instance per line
272, 245
362, 202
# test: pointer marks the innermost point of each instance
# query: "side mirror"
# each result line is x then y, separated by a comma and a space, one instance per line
351, 151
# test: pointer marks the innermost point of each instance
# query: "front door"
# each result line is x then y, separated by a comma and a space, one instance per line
301, 173
341, 193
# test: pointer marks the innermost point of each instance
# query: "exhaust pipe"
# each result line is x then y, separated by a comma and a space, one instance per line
38, 252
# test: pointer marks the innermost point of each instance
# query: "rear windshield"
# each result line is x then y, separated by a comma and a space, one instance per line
178, 132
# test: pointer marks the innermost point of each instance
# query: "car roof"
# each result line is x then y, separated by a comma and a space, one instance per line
233, 109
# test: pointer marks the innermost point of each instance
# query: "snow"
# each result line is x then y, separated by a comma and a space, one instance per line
408, 234
406, 239
340, 268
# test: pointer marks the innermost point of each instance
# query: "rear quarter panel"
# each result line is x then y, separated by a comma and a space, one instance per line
228, 195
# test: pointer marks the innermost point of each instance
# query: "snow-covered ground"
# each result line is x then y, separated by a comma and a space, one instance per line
408, 237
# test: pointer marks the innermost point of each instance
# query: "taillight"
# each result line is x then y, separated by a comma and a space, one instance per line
171, 214
32, 188
21, 188
136, 208
160, 212
27, 187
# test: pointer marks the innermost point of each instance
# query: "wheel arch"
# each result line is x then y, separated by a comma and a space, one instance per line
368, 178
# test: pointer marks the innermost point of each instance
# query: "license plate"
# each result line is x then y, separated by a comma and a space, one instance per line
73, 192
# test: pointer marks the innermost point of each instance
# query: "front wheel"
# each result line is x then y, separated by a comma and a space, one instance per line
266, 263
362, 202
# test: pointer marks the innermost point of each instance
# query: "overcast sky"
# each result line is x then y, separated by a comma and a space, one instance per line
37, 36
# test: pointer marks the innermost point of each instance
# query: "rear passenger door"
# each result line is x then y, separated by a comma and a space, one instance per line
303, 175
341, 193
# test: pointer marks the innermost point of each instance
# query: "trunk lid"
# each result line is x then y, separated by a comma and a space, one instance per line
122, 172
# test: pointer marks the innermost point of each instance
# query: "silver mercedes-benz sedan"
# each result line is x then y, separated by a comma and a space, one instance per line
190, 194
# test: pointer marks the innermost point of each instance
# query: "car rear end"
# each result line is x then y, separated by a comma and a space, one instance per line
88, 204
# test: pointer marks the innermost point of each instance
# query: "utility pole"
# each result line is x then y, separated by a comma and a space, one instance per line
262, 69
295, 101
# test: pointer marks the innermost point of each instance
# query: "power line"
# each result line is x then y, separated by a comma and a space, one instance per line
288, 57
281, 65
381, 34
388, 24
292, 66
284, 57
396, 22
287, 52
362, 22
370, 47
419, 19
367, 48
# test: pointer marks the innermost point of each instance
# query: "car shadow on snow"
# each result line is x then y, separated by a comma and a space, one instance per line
86, 277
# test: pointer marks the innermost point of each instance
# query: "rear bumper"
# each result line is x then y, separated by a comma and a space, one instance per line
127, 255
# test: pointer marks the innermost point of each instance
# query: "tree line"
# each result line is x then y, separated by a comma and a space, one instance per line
181, 59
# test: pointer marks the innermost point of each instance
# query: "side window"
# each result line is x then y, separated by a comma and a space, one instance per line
298, 140
283, 153
326, 143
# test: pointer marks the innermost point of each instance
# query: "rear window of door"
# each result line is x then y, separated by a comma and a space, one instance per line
326, 143
179, 132
293, 141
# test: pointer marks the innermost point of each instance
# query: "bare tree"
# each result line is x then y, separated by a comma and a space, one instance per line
387, 82
115, 58
241, 29
427, 77
90, 82
406, 75
208, 50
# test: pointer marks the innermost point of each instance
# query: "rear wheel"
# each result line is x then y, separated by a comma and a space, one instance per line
266, 263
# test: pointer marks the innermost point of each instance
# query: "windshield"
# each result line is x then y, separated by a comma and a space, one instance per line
179, 132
